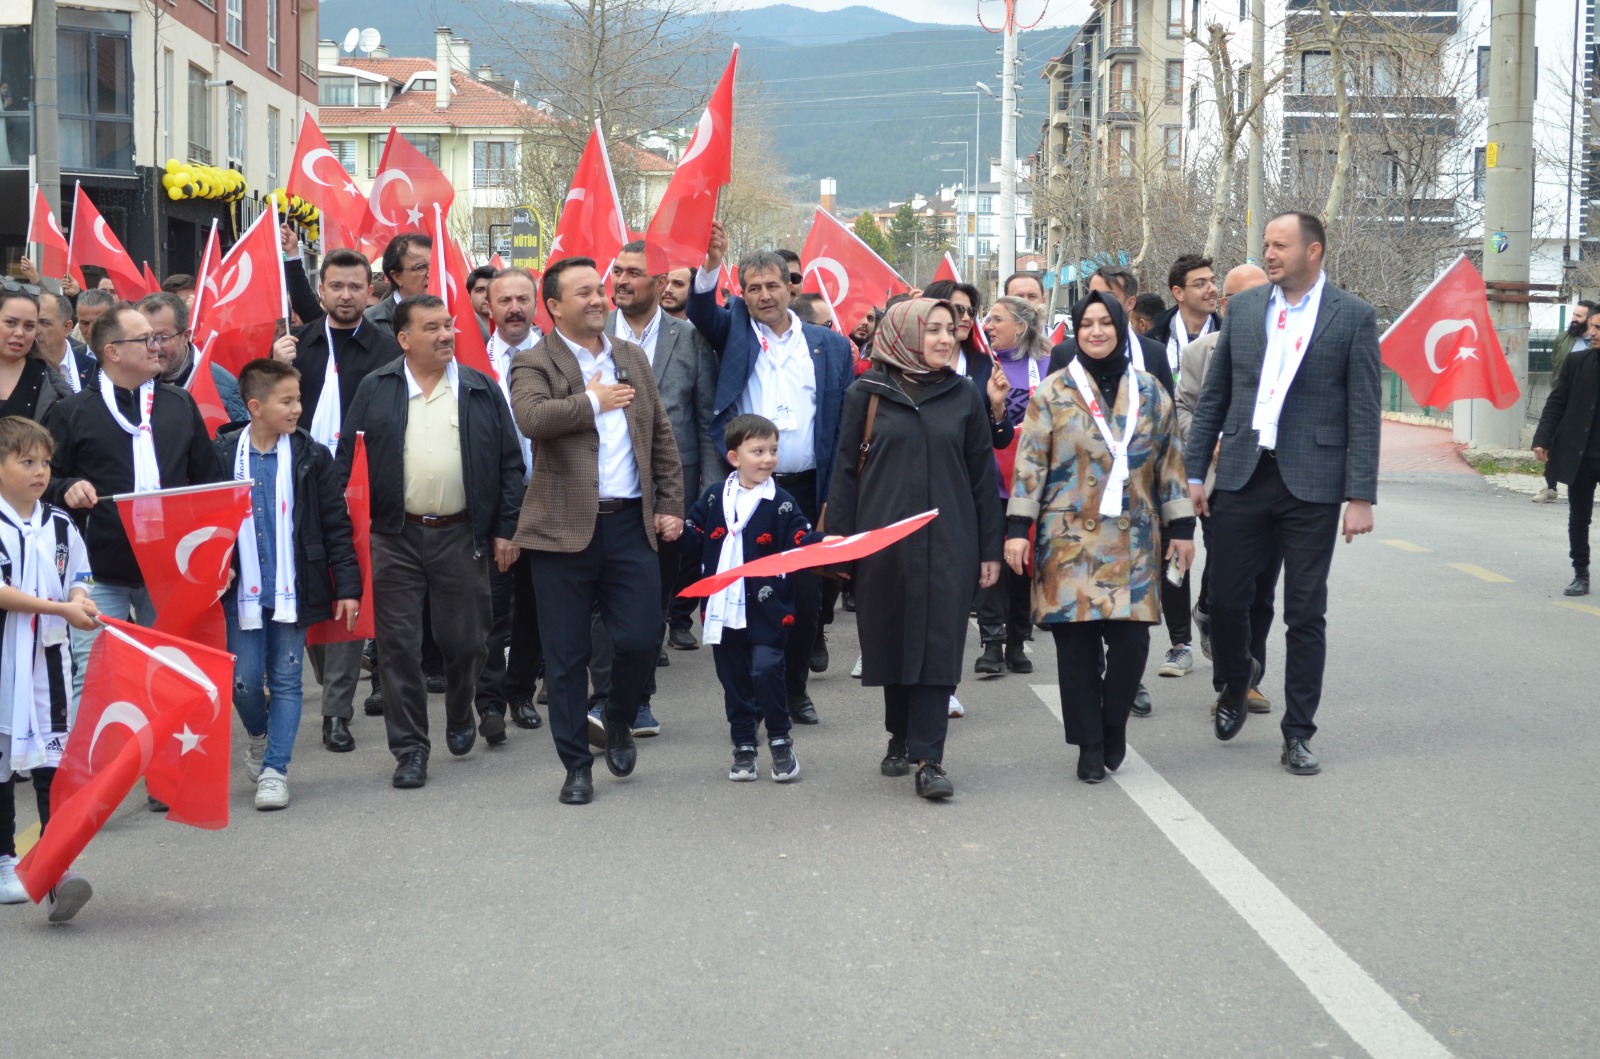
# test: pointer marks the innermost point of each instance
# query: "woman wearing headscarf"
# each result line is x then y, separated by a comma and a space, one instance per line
1104, 493
927, 446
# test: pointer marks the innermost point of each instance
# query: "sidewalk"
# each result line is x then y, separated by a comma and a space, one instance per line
1410, 450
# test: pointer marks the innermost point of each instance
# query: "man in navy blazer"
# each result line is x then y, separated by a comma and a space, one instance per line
765, 350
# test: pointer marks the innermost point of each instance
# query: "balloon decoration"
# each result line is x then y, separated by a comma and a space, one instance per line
296, 209
187, 180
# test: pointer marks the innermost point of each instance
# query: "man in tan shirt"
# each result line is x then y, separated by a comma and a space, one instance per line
446, 481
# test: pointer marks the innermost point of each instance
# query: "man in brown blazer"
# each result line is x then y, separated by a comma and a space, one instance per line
606, 484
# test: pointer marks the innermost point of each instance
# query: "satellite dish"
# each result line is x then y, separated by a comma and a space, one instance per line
370, 39
350, 39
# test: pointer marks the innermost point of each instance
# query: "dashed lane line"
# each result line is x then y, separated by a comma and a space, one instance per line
1347, 992
1585, 608
1407, 546
1480, 573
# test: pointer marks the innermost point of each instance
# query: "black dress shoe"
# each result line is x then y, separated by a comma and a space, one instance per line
336, 735
492, 726
682, 639
373, 707
932, 783
461, 740
1116, 746
895, 762
437, 685
1579, 586
412, 770
579, 788
993, 660
1017, 659
1298, 759
1091, 764
621, 752
524, 714
819, 653
153, 805
1142, 706
847, 600
802, 710
661, 658
1234, 706
543, 698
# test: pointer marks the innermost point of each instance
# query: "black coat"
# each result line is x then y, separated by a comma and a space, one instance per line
325, 564
1155, 361
491, 455
776, 525
913, 598
1568, 415
979, 367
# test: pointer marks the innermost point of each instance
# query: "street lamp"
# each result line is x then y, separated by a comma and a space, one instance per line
961, 236
977, 93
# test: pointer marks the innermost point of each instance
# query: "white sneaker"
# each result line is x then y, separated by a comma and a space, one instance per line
1544, 496
67, 897
272, 790
255, 752
1178, 663
856, 670
956, 709
11, 889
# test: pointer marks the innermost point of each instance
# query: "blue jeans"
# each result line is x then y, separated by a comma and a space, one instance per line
269, 659
114, 601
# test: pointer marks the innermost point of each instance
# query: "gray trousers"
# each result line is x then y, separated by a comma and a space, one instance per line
338, 670
439, 564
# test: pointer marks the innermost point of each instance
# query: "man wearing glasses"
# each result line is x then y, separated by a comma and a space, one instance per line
1193, 284
169, 320
405, 266
103, 449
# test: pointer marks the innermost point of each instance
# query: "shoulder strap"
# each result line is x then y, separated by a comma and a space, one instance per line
866, 435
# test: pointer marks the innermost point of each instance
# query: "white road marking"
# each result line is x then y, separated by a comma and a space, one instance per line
1357, 1003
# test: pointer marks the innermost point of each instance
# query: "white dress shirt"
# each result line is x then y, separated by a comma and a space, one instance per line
500, 354
652, 331
619, 471
783, 387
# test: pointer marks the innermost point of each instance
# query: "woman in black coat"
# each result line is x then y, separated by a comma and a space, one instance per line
929, 448
29, 386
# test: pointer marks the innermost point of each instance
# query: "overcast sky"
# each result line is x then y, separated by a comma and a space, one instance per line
956, 12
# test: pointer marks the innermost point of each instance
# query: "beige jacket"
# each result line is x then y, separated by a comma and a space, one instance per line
1191, 378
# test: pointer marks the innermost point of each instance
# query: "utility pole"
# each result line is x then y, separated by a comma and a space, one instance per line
1255, 221
1008, 149
46, 124
1507, 216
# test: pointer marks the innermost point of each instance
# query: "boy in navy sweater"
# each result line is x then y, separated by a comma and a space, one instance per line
747, 624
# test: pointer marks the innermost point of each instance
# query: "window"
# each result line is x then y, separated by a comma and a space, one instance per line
1390, 179
428, 145
493, 163
236, 128
1316, 73
95, 79
272, 34
1480, 173
985, 225
985, 247
1383, 75
274, 132
1172, 146
1124, 33
985, 204
345, 152
1316, 168
1122, 81
336, 92
199, 116
236, 23
1123, 152
1175, 82
1483, 72
423, 84
1174, 18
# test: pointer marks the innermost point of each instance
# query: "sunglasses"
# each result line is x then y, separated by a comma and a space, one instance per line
961, 311
11, 286
795, 277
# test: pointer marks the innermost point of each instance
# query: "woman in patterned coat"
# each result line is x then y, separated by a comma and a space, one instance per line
1104, 496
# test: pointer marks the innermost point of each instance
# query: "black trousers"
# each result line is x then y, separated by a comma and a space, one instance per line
1175, 604
443, 564
619, 572
1250, 526
1580, 511
42, 779
600, 660
807, 590
1262, 607
919, 714
1098, 668
751, 675
516, 626
1005, 608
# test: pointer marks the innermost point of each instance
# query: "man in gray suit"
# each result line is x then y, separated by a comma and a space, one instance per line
405, 266
1293, 391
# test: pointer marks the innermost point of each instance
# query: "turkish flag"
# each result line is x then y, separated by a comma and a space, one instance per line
1059, 335
203, 388
246, 296
496, 261
404, 192
947, 270
846, 272
681, 229
205, 282
591, 223
45, 230
1445, 347
358, 498
136, 701
823, 553
447, 279
319, 178
93, 243
183, 539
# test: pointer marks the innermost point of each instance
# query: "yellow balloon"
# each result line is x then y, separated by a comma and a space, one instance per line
174, 193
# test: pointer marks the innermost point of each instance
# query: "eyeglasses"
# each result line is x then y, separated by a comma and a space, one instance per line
149, 341
961, 311
11, 286
163, 340
1209, 283
795, 277
418, 269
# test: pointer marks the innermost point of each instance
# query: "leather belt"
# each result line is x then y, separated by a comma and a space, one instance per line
437, 521
610, 506
797, 476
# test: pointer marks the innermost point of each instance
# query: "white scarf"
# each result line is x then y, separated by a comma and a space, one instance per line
31, 544
283, 600
69, 369
725, 609
146, 471
1135, 350
1288, 336
327, 418
1117, 480
1178, 339
501, 354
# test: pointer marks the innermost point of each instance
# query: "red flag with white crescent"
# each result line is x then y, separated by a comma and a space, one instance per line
318, 177
94, 243
183, 540
591, 223
823, 553
681, 229
246, 296
447, 279
1445, 346
45, 230
203, 388
947, 270
848, 274
404, 192
358, 498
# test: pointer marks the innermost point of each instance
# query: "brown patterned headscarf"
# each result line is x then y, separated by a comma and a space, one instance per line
898, 341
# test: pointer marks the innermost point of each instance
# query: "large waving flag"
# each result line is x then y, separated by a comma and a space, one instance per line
203, 388
358, 498
45, 230
183, 539
1445, 347
947, 270
245, 295
591, 223
681, 229
93, 243
447, 279
318, 178
823, 553
848, 274
404, 192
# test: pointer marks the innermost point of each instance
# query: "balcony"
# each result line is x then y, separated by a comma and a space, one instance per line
1122, 40
308, 71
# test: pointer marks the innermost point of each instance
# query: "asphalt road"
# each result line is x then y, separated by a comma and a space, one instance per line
1434, 891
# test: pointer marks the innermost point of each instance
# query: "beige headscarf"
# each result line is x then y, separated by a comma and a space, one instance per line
898, 341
